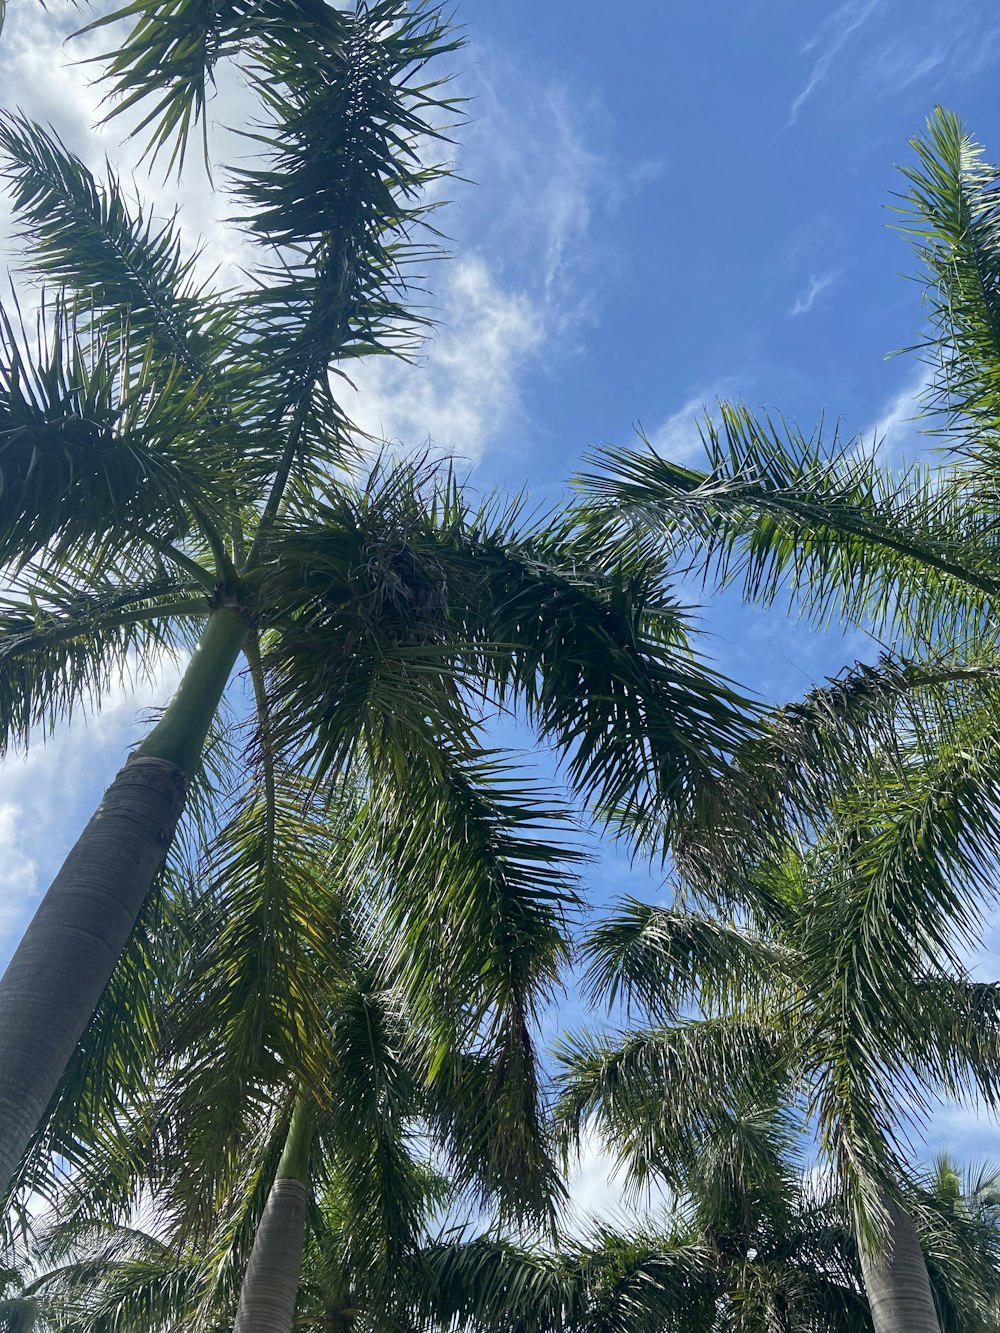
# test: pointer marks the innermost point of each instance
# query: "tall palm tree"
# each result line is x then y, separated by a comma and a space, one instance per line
175, 470
843, 993
311, 1035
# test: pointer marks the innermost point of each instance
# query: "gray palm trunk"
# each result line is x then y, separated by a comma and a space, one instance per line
53, 983
896, 1282
271, 1282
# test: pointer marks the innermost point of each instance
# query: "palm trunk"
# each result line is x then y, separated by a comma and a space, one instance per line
61, 967
271, 1282
896, 1283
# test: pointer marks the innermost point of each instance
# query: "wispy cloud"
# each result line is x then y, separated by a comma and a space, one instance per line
817, 286
829, 40
897, 433
467, 388
678, 437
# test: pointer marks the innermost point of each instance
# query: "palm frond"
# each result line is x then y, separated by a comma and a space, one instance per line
951, 215
870, 719
250, 1008
95, 446
665, 960
594, 647
844, 537
340, 202
656, 1095
118, 266
171, 53
478, 891
62, 648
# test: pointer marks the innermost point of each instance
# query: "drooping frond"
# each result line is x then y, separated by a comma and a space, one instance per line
251, 1007
169, 57
367, 1134
781, 783
845, 537
96, 446
666, 959
62, 647
115, 1280
477, 886
655, 1095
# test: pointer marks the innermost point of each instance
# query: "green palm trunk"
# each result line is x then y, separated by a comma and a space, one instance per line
62, 965
896, 1283
271, 1283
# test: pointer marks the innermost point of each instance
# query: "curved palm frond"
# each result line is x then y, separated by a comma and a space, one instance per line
95, 446
845, 537
62, 647
172, 51
665, 959
657, 1093
477, 891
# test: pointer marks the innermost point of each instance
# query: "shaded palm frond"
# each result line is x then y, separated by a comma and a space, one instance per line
477, 890
657, 1094
96, 447
340, 202
171, 53
62, 647
119, 267
666, 959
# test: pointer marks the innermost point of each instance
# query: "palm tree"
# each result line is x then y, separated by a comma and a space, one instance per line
311, 1037
911, 552
843, 992
175, 468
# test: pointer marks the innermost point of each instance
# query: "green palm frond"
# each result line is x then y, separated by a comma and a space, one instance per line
250, 1006
367, 1134
868, 719
115, 1280
595, 648
63, 647
117, 265
829, 525
666, 959
171, 53
960, 1051
951, 214
367, 595
340, 202
95, 446
478, 888
656, 1094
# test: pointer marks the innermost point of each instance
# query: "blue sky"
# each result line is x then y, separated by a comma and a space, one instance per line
671, 203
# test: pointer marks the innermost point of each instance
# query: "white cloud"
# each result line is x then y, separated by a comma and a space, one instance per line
897, 432
817, 286
678, 438
830, 39
598, 1193
465, 389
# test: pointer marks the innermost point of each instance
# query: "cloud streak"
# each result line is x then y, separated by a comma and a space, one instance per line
830, 39
817, 286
